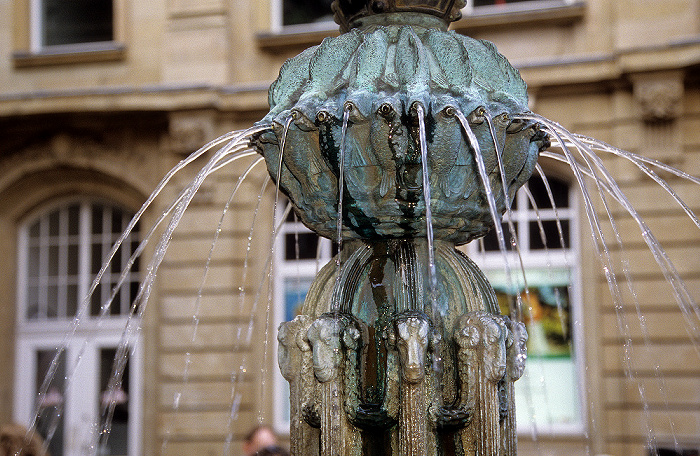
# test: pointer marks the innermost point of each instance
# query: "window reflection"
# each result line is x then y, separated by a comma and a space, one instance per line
76, 21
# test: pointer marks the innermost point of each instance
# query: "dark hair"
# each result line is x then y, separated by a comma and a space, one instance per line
273, 451
249, 436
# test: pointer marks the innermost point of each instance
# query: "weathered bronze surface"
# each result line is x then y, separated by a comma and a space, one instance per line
379, 75
400, 348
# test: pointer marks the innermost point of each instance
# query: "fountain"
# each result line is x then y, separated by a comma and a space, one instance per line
400, 141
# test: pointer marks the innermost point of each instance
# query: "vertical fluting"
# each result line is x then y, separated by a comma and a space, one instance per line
509, 435
332, 436
412, 422
409, 294
490, 438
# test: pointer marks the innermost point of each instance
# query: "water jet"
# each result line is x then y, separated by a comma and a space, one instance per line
398, 162
401, 140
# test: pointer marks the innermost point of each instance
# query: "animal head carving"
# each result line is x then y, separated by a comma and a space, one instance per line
518, 351
486, 333
289, 336
324, 335
411, 338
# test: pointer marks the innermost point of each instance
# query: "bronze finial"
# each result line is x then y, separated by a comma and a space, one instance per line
350, 13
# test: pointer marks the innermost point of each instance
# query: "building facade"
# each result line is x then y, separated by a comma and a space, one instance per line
99, 99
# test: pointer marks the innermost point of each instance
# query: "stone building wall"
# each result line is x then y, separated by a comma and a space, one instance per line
182, 72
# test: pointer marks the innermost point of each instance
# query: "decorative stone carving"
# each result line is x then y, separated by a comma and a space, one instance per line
378, 77
378, 347
410, 338
331, 337
660, 96
296, 366
324, 334
405, 338
481, 338
516, 349
189, 130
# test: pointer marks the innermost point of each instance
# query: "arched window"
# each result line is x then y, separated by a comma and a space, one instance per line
542, 277
60, 250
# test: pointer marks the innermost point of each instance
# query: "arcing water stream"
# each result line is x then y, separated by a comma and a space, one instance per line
398, 177
586, 168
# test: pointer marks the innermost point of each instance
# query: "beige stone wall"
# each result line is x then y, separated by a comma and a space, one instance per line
642, 351
187, 71
226, 357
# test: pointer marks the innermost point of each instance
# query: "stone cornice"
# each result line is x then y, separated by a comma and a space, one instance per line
554, 72
238, 98
516, 14
618, 65
63, 55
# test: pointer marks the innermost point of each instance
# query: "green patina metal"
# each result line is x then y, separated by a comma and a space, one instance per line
385, 360
379, 73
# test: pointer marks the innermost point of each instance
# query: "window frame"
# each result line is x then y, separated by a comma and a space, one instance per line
277, 8
37, 28
83, 352
82, 342
86, 239
297, 269
514, 6
29, 52
277, 22
556, 259
538, 13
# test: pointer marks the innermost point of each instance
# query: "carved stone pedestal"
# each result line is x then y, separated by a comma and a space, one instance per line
380, 363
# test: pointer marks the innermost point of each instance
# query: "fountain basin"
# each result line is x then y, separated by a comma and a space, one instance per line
356, 96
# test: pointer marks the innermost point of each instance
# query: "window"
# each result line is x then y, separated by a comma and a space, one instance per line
302, 16
304, 23
513, 3
71, 22
674, 452
71, 411
548, 395
305, 11
60, 251
63, 22
496, 2
484, 14
56, 32
299, 255
63, 250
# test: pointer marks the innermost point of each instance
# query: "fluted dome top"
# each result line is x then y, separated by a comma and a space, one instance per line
358, 93
350, 13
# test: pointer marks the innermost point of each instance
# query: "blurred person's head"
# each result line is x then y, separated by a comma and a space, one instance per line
15, 440
258, 438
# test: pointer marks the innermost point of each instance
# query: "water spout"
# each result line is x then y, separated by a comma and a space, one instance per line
401, 141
